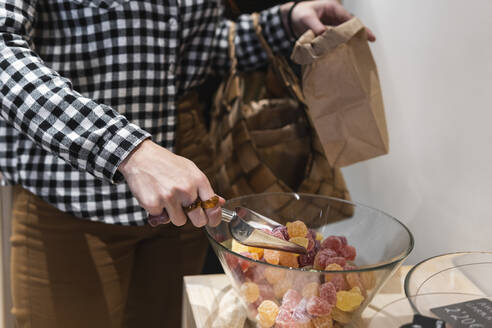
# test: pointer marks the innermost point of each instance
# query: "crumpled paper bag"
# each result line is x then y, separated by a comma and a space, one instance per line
232, 312
342, 92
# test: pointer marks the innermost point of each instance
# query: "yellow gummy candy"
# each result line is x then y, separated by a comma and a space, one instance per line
267, 313
349, 301
301, 241
296, 229
256, 250
250, 291
319, 236
238, 248
340, 316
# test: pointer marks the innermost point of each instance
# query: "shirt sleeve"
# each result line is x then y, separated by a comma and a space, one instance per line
249, 52
43, 105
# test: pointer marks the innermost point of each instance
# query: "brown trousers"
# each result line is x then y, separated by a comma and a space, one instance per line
72, 273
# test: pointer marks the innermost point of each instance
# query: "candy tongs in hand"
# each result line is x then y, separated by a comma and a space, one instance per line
247, 227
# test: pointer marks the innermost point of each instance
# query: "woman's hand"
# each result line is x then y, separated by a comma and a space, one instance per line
315, 15
164, 182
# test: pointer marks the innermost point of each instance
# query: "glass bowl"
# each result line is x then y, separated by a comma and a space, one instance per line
449, 279
381, 241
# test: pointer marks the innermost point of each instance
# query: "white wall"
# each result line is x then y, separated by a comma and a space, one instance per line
435, 64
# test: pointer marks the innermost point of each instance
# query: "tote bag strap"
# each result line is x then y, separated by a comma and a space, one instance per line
280, 64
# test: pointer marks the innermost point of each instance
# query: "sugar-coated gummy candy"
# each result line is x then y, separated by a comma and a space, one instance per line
271, 256
328, 292
321, 258
348, 267
349, 301
238, 247
348, 252
291, 299
307, 259
244, 264
274, 275
319, 236
317, 306
297, 229
300, 315
322, 322
340, 316
288, 259
250, 291
281, 232
368, 279
301, 241
338, 260
284, 319
267, 313
256, 250
311, 289
353, 280
311, 243
332, 242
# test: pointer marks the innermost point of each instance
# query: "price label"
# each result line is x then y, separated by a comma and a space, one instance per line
419, 321
471, 314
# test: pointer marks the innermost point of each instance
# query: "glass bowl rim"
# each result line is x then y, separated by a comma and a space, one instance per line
406, 284
395, 260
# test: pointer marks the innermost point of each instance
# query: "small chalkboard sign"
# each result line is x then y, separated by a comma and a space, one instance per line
472, 314
419, 321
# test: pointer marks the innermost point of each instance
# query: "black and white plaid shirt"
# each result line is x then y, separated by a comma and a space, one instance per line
83, 82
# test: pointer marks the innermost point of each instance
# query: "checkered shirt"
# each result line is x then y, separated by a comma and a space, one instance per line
83, 82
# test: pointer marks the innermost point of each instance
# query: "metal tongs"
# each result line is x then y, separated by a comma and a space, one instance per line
246, 226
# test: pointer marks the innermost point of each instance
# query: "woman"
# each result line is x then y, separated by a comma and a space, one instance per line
88, 106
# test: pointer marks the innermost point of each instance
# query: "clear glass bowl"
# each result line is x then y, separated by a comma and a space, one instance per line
382, 243
449, 279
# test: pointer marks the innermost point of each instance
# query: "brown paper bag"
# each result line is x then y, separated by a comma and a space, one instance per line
341, 89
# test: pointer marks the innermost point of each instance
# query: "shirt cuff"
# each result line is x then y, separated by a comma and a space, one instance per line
116, 149
274, 31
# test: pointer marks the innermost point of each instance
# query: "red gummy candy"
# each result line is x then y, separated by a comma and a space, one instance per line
310, 246
281, 232
341, 261
343, 239
284, 319
307, 259
332, 242
348, 252
291, 299
339, 282
322, 257
348, 267
300, 314
266, 291
318, 306
328, 292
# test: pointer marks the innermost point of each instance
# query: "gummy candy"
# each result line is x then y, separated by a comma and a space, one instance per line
256, 250
349, 301
307, 259
318, 306
322, 257
319, 236
322, 322
328, 292
340, 316
301, 241
353, 280
348, 252
274, 275
332, 242
291, 299
284, 319
368, 280
297, 229
244, 264
288, 259
280, 232
311, 289
300, 315
238, 247
343, 239
266, 291
271, 256
267, 313
250, 291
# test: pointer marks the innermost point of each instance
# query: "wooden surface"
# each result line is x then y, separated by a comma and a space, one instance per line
202, 296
